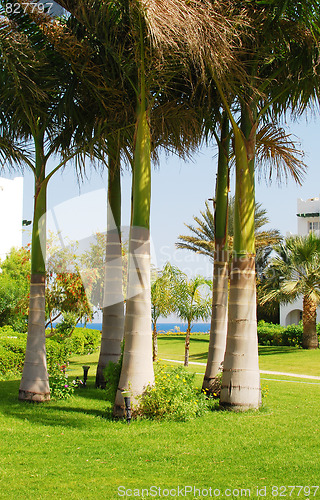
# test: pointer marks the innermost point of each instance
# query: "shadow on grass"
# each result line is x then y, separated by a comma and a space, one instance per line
269, 350
72, 412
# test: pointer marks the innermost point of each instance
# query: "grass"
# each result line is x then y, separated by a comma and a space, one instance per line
276, 358
70, 449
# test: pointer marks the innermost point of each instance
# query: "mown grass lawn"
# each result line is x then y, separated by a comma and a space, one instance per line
274, 358
72, 450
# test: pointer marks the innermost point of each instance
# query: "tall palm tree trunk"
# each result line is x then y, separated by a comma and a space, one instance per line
241, 377
137, 367
309, 319
113, 301
34, 385
219, 317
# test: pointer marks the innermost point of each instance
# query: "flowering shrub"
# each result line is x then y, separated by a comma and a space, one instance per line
172, 397
215, 387
60, 387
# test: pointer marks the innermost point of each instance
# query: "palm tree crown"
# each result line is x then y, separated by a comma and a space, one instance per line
202, 238
294, 272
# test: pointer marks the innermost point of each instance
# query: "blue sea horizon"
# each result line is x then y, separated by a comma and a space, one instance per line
164, 327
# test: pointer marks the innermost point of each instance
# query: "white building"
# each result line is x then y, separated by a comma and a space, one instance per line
11, 205
308, 213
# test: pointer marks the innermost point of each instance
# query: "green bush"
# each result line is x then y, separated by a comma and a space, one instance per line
85, 340
12, 350
82, 340
8, 331
112, 376
58, 354
292, 336
10, 361
60, 387
13, 347
270, 334
172, 397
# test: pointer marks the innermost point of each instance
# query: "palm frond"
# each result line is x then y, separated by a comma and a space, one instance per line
277, 154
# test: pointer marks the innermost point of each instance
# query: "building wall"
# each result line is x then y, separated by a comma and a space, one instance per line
11, 203
308, 215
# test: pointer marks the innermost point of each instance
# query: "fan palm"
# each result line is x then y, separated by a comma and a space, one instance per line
294, 272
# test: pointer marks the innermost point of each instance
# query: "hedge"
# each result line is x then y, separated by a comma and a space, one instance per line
13, 346
270, 334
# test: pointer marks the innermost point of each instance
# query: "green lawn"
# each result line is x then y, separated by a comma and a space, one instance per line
70, 450
284, 359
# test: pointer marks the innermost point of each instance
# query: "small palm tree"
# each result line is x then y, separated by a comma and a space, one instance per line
295, 271
193, 302
162, 298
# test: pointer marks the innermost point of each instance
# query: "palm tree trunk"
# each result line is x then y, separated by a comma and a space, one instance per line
34, 385
113, 302
219, 317
309, 319
137, 367
187, 345
155, 341
241, 378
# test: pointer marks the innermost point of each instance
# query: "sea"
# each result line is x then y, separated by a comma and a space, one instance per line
164, 327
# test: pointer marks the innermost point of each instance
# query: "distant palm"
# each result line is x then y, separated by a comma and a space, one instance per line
202, 238
295, 272
193, 302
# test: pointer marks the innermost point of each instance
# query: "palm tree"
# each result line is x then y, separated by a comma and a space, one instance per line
295, 271
39, 116
113, 299
28, 114
162, 298
139, 33
204, 242
203, 238
193, 302
268, 57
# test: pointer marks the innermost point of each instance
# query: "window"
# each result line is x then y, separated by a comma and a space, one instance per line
314, 226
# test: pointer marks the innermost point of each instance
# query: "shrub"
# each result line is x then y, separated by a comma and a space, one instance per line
112, 376
82, 340
58, 354
12, 350
172, 397
10, 361
292, 335
8, 331
92, 339
60, 387
270, 334
59, 351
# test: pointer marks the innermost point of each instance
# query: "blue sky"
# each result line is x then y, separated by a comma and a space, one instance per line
179, 191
